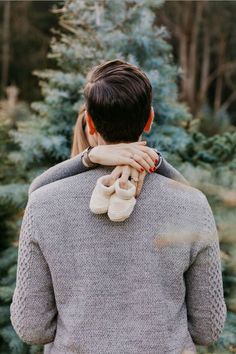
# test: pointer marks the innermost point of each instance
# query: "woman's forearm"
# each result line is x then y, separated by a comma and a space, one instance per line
167, 170
74, 166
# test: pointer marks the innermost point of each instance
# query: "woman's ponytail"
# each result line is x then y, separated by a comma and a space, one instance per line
79, 142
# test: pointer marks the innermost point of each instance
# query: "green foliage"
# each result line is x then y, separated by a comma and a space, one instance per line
96, 35
90, 35
211, 123
218, 150
13, 193
114, 31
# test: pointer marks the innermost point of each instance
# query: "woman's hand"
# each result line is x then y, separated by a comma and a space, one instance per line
135, 155
124, 172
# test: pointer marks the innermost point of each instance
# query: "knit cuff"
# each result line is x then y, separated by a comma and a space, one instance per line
125, 193
102, 181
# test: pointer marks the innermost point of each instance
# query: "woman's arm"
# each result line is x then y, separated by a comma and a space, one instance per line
108, 155
167, 170
104, 155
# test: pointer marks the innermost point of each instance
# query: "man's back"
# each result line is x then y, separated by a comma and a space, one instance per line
121, 287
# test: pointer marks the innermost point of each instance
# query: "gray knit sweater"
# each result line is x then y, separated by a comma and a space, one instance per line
151, 284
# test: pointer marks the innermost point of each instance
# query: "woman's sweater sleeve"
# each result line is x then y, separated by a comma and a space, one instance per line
167, 170
74, 166
33, 311
205, 302
64, 169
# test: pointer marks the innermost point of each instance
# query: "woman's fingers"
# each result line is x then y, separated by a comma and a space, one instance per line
134, 177
139, 158
149, 163
116, 173
152, 153
126, 171
141, 178
148, 155
133, 163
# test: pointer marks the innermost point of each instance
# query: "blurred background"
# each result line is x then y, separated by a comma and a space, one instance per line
188, 51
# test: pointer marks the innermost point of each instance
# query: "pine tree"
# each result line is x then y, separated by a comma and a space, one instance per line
13, 193
93, 32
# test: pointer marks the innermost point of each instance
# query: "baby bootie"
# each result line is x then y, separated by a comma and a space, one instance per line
122, 202
100, 198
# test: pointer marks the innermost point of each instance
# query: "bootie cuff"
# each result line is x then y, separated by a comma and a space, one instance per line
125, 193
102, 184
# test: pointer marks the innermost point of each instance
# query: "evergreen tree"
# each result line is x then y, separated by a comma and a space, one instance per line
93, 32
13, 193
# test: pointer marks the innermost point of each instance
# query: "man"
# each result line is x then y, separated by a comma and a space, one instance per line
151, 284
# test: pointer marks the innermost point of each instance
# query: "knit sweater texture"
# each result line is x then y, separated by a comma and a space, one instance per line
151, 284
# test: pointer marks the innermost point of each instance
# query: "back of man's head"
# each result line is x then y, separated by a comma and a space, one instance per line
118, 97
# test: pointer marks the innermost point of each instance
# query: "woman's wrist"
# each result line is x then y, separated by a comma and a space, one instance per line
86, 158
92, 155
160, 159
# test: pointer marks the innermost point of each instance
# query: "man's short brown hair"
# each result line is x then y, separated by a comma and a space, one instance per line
118, 97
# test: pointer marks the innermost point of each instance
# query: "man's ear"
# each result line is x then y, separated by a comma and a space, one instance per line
90, 123
148, 125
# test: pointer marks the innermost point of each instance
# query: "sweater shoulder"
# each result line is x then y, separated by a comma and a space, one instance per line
183, 207
79, 185
176, 190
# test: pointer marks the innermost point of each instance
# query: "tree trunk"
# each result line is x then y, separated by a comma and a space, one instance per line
183, 58
193, 56
219, 80
205, 69
5, 45
183, 50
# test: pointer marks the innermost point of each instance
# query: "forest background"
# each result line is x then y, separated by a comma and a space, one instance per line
188, 51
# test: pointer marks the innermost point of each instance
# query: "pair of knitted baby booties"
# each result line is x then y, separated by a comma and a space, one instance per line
117, 202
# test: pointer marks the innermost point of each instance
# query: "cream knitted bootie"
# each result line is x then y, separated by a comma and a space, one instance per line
100, 198
122, 202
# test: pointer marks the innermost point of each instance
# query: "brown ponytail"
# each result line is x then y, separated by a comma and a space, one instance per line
80, 141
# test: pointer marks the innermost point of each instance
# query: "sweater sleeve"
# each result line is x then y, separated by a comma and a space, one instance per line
167, 170
205, 302
74, 166
33, 311
64, 169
